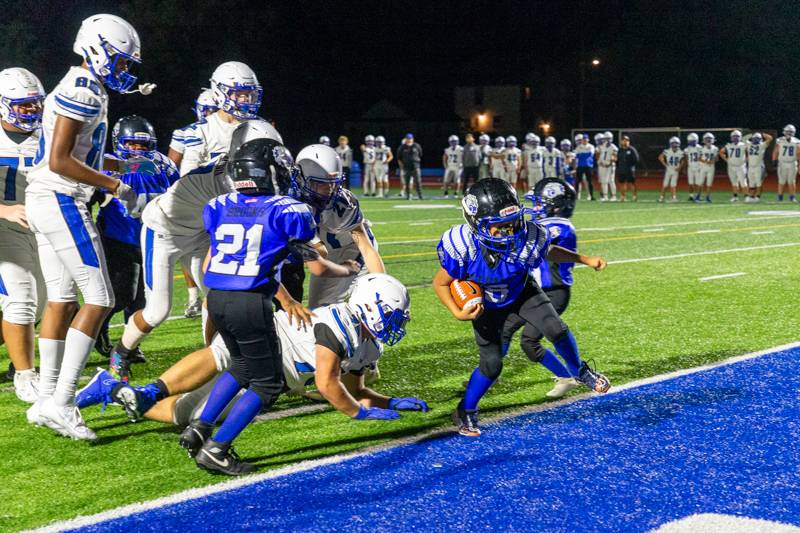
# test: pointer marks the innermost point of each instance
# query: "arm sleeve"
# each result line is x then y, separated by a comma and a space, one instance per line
78, 103
208, 215
323, 336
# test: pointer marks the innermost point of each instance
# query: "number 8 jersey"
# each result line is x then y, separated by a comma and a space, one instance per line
78, 96
251, 236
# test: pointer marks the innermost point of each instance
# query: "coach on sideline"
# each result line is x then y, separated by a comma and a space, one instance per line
409, 156
627, 159
471, 161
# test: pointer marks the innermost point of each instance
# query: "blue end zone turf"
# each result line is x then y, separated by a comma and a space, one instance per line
723, 441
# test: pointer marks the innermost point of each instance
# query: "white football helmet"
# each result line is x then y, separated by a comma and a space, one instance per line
381, 302
789, 130
21, 98
535, 140
756, 138
205, 105
484, 139
550, 141
102, 41
708, 137
380, 140
369, 140
453, 140
511, 141
674, 141
609, 136
529, 137
236, 90
692, 138
248, 130
736, 136
578, 139
566, 145
317, 177
499, 142
599, 138
325, 140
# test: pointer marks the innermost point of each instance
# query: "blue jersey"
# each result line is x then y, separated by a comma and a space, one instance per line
562, 233
113, 219
502, 279
584, 153
251, 236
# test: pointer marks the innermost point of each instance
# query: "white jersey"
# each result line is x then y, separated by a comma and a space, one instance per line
210, 138
755, 154
336, 223
552, 162
606, 153
692, 153
382, 154
81, 97
709, 154
672, 157
787, 149
513, 158
486, 152
16, 160
346, 153
736, 152
369, 155
183, 137
533, 157
179, 211
455, 156
495, 161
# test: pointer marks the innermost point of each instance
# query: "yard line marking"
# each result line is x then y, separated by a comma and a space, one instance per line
420, 223
723, 276
651, 230
762, 233
707, 231
190, 494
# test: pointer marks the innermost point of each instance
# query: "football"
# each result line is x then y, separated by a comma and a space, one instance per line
466, 293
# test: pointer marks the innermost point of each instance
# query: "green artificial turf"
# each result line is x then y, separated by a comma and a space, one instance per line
636, 319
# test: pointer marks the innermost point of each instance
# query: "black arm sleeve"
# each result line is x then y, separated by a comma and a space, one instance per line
323, 335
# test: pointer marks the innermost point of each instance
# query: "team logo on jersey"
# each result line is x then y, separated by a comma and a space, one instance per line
470, 203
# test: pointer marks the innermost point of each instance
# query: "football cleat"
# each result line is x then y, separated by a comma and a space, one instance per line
103, 344
33, 414
193, 309
136, 356
136, 401
194, 436
593, 379
562, 386
26, 386
66, 420
219, 458
119, 367
98, 390
467, 422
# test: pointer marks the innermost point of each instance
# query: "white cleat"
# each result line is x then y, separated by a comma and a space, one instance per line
562, 386
26, 385
613, 198
66, 420
603, 199
734, 199
33, 414
193, 309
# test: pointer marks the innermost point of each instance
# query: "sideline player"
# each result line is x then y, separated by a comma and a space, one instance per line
324, 139
346, 153
497, 159
383, 156
497, 248
22, 289
694, 171
757, 145
709, 154
606, 167
584, 154
368, 172
672, 159
68, 168
512, 161
486, 156
786, 153
552, 159
735, 154
452, 161
568, 171
532, 160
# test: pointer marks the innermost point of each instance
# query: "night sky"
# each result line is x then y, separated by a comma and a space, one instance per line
698, 64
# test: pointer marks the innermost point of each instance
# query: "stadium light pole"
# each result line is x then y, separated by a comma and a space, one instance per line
582, 66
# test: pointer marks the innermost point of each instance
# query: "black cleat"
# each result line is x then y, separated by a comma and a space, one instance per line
136, 356
593, 379
194, 436
220, 458
467, 422
103, 344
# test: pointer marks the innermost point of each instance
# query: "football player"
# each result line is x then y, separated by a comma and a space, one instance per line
203, 106
786, 153
172, 230
22, 290
513, 161
242, 284
606, 167
552, 159
735, 154
568, 170
453, 163
532, 160
237, 94
709, 154
497, 168
325, 140
694, 171
346, 153
497, 248
757, 145
383, 156
486, 156
369, 161
149, 173
584, 155
67, 169
672, 159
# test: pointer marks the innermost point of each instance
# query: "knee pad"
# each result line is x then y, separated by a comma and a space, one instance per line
491, 367
16, 312
155, 312
267, 391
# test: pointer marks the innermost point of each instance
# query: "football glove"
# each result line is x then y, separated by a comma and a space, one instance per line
376, 413
408, 404
129, 199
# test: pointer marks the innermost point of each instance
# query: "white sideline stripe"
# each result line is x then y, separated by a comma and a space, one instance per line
127, 510
651, 230
723, 276
708, 231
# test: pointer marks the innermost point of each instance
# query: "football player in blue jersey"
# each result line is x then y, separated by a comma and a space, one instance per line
498, 248
149, 173
252, 233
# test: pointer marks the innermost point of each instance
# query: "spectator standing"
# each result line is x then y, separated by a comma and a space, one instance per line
409, 156
627, 159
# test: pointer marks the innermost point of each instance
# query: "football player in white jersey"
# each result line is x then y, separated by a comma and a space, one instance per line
383, 156
606, 167
22, 290
452, 161
552, 159
486, 156
203, 106
757, 144
735, 153
693, 167
237, 94
786, 153
67, 169
497, 168
369, 160
173, 230
673, 160
513, 160
325, 140
532, 160
709, 154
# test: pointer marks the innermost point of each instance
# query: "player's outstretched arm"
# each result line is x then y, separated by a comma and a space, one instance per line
61, 161
371, 256
369, 398
298, 313
327, 269
441, 286
558, 254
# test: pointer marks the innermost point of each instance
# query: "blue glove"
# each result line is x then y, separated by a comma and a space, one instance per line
408, 404
376, 413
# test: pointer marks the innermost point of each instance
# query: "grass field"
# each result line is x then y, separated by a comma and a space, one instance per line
650, 312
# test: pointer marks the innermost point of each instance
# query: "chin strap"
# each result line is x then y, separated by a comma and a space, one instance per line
144, 88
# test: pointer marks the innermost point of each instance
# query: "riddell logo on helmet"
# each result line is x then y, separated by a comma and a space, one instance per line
245, 184
510, 210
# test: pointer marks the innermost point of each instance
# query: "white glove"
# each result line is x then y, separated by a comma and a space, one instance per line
129, 199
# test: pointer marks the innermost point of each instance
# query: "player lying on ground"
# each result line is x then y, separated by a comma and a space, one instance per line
497, 249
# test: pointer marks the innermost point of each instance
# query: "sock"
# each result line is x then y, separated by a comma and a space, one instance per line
613, 186
77, 347
163, 390
243, 412
567, 348
554, 365
476, 388
132, 336
51, 353
225, 389
194, 294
